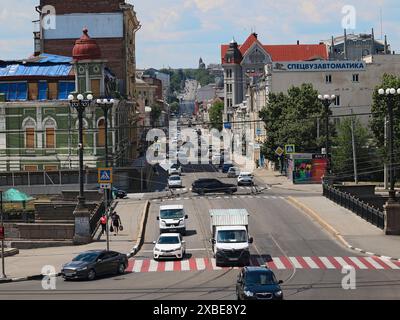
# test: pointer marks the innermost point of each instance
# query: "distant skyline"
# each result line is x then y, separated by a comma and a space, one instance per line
176, 33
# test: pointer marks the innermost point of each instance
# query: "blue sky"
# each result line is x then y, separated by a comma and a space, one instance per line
177, 32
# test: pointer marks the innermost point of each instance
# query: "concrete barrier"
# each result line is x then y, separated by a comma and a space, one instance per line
142, 230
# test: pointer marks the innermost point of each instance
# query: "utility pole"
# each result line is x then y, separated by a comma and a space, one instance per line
354, 149
3, 268
386, 168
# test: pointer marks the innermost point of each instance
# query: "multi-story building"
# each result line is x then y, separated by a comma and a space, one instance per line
38, 128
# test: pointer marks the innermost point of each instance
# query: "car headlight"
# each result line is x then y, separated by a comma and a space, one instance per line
156, 249
278, 293
82, 269
248, 294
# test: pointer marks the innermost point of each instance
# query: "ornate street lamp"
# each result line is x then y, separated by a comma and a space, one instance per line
390, 94
327, 100
106, 105
80, 103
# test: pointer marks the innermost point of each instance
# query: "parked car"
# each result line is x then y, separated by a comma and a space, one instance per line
118, 193
169, 245
90, 264
175, 181
258, 283
226, 167
245, 179
175, 169
203, 186
233, 172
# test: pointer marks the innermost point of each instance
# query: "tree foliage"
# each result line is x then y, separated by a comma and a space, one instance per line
155, 114
342, 153
216, 115
174, 107
292, 119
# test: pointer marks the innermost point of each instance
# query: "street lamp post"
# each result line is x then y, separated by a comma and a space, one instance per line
3, 270
327, 100
82, 215
390, 93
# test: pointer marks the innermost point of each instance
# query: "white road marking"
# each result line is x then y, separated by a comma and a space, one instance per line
389, 263
214, 265
295, 263
375, 264
311, 263
273, 197
169, 266
327, 263
200, 264
341, 261
137, 266
185, 265
358, 263
266, 197
153, 266
279, 263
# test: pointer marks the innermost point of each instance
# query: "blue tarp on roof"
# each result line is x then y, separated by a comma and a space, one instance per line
14, 70
52, 58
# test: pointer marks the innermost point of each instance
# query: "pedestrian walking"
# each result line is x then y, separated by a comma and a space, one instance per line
103, 222
116, 222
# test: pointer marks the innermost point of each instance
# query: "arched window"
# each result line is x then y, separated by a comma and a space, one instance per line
101, 135
49, 125
29, 126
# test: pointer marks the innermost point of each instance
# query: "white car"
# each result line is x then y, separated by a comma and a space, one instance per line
169, 245
175, 181
175, 169
245, 178
233, 172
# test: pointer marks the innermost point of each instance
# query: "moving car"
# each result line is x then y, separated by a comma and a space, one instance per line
175, 169
233, 172
118, 193
169, 245
245, 178
175, 181
90, 264
258, 283
172, 219
203, 186
226, 167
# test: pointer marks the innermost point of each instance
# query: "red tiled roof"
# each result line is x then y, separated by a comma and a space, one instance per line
279, 53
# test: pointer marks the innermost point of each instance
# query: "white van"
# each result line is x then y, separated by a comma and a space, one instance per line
172, 219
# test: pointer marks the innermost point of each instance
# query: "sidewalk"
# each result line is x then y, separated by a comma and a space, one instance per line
30, 262
349, 229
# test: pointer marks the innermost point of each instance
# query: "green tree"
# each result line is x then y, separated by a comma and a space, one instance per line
155, 114
216, 112
342, 152
292, 119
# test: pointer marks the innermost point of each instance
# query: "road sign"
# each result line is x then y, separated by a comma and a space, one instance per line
279, 151
105, 175
227, 125
2, 233
258, 132
290, 149
105, 186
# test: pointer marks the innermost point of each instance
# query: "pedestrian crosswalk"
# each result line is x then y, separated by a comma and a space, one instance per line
257, 188
183, 197
277, 263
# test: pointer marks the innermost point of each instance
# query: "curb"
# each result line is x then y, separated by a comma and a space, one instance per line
28, 278
333, 231
140, 238
10, 252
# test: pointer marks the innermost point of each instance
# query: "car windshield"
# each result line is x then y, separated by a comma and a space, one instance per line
260, 278
168, 240
234, 236
172, 214
87, 257
175, 178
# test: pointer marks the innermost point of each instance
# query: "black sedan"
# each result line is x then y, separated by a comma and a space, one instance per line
203, 186
119, 194
90, 264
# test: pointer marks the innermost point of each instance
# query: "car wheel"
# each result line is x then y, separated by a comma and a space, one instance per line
91, 275
121, 268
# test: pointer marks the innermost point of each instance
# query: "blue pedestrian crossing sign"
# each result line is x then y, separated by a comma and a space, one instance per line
290, 149
105, 175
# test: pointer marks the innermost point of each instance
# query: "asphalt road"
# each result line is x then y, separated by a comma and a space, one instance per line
279, 230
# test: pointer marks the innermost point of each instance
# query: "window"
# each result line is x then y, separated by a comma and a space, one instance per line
95, 87
15, 91
50, 138
229, 88
31, 168
30, 138
337, 101
328, 78
356, 77
42, 90
229, 73
50, 168
101, 136
64, 89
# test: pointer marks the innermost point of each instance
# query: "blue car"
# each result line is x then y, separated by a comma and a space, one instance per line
226, 167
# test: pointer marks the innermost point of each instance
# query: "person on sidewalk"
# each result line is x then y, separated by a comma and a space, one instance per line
116, 221
103, 222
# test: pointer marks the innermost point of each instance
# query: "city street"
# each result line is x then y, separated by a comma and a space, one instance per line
304, 256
